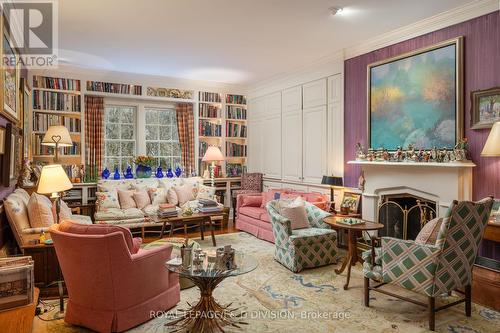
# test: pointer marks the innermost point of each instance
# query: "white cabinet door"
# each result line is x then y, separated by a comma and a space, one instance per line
292, 99
272, 146
314, 94
292, 145
255, 145
273, 104
314, 144
335, 126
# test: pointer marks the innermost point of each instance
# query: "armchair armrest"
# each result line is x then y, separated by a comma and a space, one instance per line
316, 215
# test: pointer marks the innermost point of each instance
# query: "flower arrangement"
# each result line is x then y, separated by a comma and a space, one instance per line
144, 160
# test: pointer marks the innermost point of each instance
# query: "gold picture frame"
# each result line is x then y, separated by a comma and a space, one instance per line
459, 97
477, 117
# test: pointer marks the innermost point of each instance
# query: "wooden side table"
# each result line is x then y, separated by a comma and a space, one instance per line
352, 232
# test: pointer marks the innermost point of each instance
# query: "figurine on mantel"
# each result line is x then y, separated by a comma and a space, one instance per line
360, 154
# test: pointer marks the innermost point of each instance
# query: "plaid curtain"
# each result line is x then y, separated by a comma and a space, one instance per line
185, 127
94, 135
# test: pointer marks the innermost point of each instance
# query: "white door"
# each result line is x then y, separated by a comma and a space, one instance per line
272, 146
292, 145
314, 144
255, 145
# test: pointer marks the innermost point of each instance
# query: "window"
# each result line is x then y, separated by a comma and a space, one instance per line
119, 136
162, 138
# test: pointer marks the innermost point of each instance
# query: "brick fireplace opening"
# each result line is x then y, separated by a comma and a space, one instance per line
404, 215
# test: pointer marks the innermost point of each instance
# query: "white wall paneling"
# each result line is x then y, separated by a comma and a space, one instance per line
314, 93
335, 126
314, 144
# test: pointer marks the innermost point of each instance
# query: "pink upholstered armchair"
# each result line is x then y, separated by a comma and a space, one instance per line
112, 286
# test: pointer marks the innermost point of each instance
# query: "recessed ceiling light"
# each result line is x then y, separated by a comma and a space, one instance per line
336, 10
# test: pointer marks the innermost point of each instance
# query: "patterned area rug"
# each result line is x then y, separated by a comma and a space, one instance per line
277, 300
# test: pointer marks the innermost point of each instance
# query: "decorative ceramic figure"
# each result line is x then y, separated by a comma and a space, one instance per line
128, 173
105, 173
178, 171
370, 156
361, 181
385, 155
170, 174
159, 172
360, 154
434, 154
399, 154
26, 174
116, 175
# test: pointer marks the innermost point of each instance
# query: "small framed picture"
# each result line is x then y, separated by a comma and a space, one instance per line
2, 140
352, 201
485, 108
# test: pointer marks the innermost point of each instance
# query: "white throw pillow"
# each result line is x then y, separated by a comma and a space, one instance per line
206, 192
107, 199
158, 195
64, 212
184, 193
40, 211
172, 197
295, 211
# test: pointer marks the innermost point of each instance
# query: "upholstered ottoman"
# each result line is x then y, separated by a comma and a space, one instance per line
176, 242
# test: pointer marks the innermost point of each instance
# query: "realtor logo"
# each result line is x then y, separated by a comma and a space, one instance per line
30, 27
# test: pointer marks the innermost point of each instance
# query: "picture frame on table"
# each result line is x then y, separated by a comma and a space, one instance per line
485, 108
352, 200
10, 78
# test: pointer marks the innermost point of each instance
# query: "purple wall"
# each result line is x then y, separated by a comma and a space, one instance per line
481, 71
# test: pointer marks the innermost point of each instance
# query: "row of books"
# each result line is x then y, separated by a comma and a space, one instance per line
235, 150
235, 112
234, 130
236, 99
114, 88
55, 83
209, 97
203, 146
41, 122
209, 110
235, 169
208, 128
55, 101
40, 149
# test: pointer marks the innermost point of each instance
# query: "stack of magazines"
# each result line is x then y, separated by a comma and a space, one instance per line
167, 210
209, 206
16, 282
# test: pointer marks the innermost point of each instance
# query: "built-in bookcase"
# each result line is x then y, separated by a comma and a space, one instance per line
57, 101
222, 121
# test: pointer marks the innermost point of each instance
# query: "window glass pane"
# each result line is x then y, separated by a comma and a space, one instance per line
127, 115
112, 115
128, 148
152, 148
165, 149
166, 117
151, 116
127, 132
112, 163
112, 131
165, 133
119, 136
151, 132
113, 148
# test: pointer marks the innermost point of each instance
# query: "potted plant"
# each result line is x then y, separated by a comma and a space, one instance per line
144, 166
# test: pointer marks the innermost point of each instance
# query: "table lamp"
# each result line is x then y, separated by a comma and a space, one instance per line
212, 154
334, 182
492, 146
53, 180
57, 136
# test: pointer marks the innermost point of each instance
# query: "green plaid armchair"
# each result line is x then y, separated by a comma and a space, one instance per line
432, 269
303, 248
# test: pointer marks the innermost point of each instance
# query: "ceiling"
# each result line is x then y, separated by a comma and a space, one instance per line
230, 41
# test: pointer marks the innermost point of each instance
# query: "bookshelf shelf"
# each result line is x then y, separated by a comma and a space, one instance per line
73, 113
244, 106
71, 92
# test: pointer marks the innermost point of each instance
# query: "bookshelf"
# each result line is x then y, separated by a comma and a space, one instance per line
57, 101
222, 121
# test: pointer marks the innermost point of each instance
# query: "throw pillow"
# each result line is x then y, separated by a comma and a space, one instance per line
40, 211
142, 199
251, 200
295, 211
107, 199
269, 196
194, 183
428, 234
64, 212
206, 192
184, 193
158, 195
126, 199
172, 197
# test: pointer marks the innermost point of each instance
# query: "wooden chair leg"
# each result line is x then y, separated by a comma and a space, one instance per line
367, 291
468, 300
432, 313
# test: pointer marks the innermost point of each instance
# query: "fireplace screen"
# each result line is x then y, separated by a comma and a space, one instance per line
404, 215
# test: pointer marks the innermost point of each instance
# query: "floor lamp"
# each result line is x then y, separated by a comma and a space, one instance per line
212, 154
57, 136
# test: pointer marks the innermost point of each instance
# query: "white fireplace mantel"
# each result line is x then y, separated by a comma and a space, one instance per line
439, 182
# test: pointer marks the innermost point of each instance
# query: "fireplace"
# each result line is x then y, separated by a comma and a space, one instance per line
404, 215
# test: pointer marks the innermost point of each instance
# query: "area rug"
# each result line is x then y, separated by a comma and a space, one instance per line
277, 300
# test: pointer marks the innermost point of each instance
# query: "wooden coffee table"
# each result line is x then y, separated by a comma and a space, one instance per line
200, 219
352, 231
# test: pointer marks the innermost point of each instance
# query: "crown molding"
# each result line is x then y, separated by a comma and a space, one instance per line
422, 27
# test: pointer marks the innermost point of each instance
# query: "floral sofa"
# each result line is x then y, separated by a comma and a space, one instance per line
253, 218
109, 210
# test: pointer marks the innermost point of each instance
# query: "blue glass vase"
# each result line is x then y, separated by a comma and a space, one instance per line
178, 172
170, 174
116, 175
143, 171
105, 173
128, 174
159, 172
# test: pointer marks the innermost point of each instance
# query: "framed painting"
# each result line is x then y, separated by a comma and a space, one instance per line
485, 108
416, 98
352, 201
2, 141
9, 80
12, 158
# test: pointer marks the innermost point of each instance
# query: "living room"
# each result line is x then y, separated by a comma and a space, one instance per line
250, 166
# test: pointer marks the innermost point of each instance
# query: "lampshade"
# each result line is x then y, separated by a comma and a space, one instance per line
332, 181
55, 133
213, 153
492, 145
53, 179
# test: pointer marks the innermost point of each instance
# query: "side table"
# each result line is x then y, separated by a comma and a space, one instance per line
352, 231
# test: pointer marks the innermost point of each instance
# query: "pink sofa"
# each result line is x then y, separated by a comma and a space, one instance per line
112, 286
252, 216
